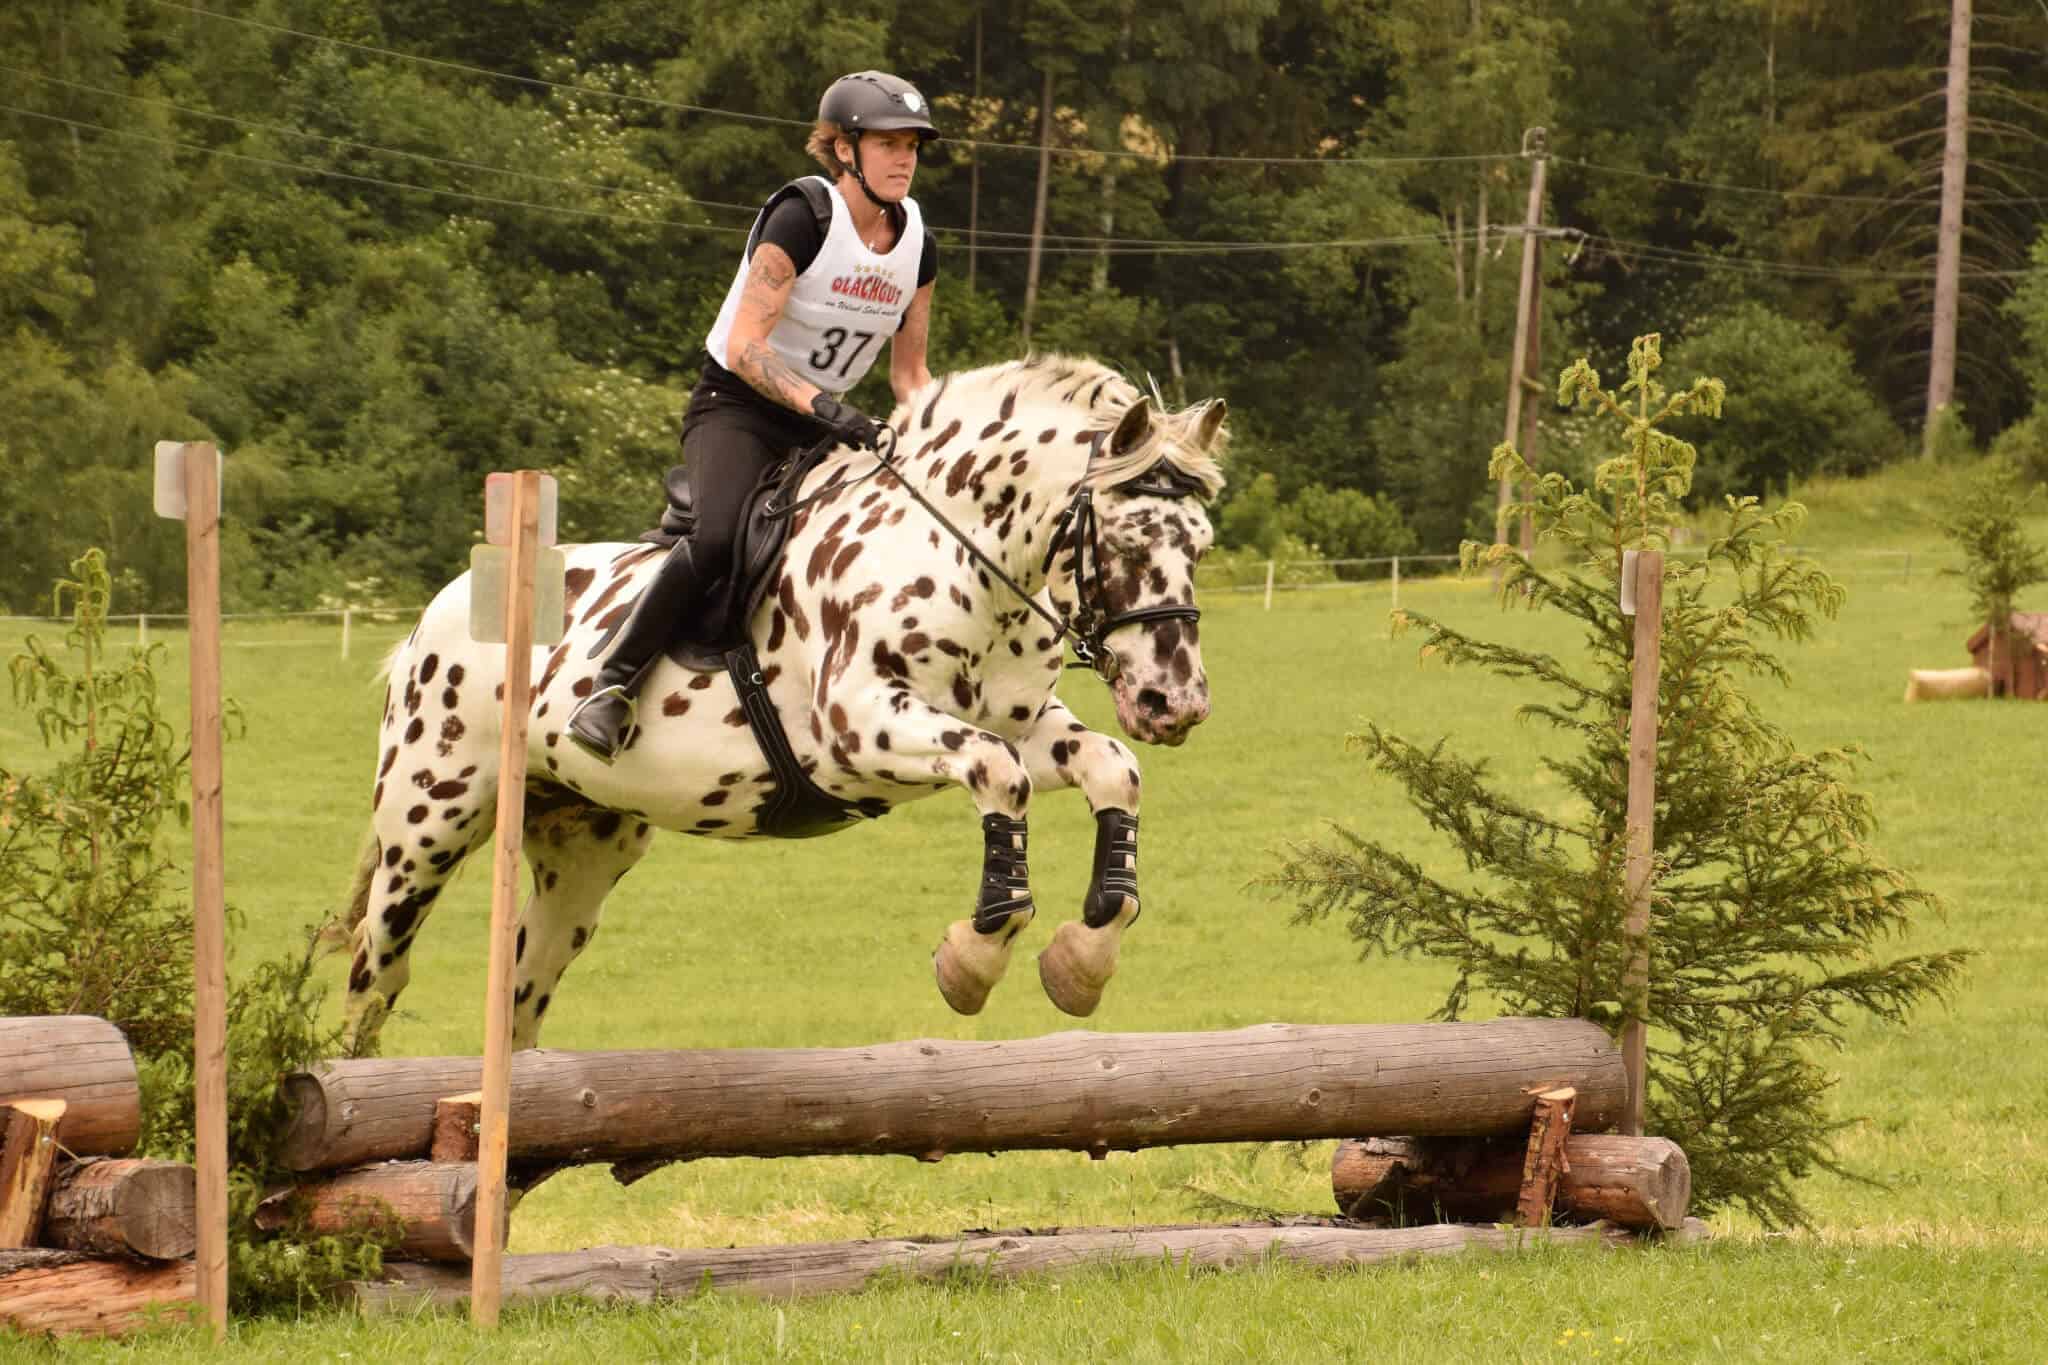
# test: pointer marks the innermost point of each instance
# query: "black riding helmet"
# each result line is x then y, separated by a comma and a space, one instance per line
875, 101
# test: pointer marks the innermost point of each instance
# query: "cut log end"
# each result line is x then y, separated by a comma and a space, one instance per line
1642, 1182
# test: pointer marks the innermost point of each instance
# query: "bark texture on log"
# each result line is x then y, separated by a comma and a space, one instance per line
1077, 1091
434, 1201
644, 1274
123, 1206
1544, 1162
28, 1158
1642, 1182
84, 1061
71, 1295
458, 1127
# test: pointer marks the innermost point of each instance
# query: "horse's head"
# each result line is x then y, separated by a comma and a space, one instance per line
1128, 579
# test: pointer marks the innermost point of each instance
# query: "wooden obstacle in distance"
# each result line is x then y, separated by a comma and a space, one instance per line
1944, 684
91, 1242
363, 1127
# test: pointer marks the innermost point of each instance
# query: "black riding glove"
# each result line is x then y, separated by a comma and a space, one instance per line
849, 423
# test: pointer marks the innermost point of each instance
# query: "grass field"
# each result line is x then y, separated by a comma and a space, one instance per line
1944, 1256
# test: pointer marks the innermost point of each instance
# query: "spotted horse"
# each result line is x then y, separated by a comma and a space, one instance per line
914, 634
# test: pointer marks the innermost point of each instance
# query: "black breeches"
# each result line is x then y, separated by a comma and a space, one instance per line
729, 442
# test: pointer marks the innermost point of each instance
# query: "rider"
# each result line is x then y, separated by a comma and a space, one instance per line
833, 270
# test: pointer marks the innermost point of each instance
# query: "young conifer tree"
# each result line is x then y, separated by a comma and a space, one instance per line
1985, 517
1768, 902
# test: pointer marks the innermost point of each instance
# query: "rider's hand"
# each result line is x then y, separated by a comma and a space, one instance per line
851, 425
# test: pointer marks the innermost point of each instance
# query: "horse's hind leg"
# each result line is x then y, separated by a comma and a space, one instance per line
436, 786
1062, 752
577, 852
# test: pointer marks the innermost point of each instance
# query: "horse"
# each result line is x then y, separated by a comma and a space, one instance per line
910, 640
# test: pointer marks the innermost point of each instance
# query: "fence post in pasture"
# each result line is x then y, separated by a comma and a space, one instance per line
1397, 585
1642, 591
188, 489
142, 630
1269, 585
348, 616
531, 583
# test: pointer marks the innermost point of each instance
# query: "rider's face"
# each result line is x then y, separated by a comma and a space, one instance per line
888, 159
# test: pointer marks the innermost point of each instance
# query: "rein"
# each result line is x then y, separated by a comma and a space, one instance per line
1091, 622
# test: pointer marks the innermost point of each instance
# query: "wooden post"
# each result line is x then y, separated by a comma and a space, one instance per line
1397, 585
348, 616
1269, 585
1544, 1164
486, 1273
28, 1155
1534, 391
974, 164
1642, 815
1533, 143
209, 914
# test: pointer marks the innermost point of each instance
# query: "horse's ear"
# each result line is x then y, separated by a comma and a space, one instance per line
1132, 428
1211, 423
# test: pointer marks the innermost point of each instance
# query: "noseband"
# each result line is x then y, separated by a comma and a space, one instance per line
1092, 620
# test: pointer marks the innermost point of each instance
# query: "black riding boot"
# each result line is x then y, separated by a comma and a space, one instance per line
600, 723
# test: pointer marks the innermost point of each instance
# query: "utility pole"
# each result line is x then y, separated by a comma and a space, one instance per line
974, 166
1534, 145
1948, 257
1038, 209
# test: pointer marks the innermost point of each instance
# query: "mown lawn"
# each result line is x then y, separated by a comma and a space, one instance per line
1941, 1254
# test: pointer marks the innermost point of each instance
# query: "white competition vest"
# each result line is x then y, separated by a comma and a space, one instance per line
845, 305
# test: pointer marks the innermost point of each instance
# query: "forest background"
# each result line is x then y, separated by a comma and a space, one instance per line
378, 248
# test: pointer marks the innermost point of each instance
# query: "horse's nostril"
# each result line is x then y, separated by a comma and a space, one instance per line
1151, 701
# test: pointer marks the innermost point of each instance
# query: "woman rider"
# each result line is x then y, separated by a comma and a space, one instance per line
832, 272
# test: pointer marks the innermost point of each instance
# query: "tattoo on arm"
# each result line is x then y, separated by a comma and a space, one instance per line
774, 377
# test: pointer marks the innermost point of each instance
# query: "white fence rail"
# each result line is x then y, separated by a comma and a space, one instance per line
1273, 579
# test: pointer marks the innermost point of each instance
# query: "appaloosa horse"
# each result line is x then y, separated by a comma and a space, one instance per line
901, 655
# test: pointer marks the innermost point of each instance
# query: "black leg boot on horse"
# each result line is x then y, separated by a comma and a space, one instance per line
600, 723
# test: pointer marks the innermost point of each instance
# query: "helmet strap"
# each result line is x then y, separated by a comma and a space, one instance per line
853, 136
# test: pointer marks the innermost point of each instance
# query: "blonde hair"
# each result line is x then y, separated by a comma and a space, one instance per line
822, 150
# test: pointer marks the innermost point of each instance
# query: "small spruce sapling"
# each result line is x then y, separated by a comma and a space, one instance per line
1768, 903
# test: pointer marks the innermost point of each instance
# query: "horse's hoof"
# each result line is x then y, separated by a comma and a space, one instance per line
1072, 982
968, 965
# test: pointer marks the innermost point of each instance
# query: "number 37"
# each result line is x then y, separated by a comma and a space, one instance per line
826, 356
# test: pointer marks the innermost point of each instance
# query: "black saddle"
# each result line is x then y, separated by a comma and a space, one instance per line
701, 645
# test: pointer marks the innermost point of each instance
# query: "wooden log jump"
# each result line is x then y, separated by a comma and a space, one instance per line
1637, 1182
83, 1061
1073, 1091
42, 1290
124, 1207
646, 1274
433, 1203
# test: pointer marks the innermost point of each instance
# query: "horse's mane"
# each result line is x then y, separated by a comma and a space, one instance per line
1105, 396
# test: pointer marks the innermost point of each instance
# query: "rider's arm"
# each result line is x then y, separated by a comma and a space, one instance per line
907, 369
770, 277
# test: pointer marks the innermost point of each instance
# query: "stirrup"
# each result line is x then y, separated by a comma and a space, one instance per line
586, 730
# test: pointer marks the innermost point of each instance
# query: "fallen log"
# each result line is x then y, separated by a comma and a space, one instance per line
72, 1295
83, 1061
1637, 1182
1943, 684
645, 1274
119, 1206
432, 1202
1090, 1092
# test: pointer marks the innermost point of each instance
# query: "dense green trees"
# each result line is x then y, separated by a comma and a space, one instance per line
330, 237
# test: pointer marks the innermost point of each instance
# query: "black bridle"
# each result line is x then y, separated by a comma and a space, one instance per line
1092, 620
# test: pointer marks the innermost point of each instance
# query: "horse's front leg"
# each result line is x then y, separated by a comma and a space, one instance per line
975, 951
1059, 751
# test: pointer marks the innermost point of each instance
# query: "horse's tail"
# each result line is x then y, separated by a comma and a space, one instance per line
340, 930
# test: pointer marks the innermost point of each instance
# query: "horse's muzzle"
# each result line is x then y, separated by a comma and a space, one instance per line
1159, 715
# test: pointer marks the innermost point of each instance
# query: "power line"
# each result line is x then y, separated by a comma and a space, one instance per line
677, 106
1113, 246
1726, 188
1757, 265
298, 168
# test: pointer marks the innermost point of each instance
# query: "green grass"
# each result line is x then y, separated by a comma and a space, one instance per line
827, 942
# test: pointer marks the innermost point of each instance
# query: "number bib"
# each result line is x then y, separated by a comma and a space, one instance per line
844, 306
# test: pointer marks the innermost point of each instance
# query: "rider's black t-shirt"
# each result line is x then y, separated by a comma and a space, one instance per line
796, 229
